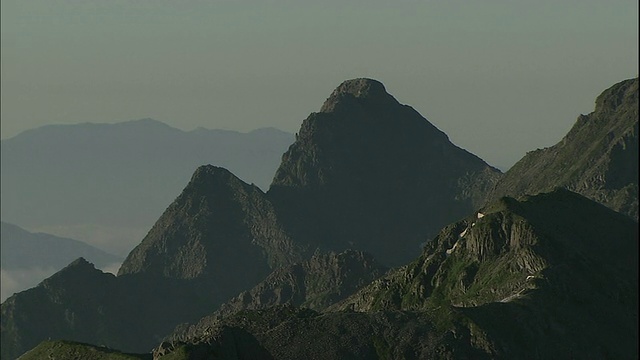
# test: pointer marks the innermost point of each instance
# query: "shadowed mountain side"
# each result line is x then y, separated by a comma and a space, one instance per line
315, 283
527, 273
287, 332
219, 231
369, 173
547, 276
218, 238
598, 158
131, 313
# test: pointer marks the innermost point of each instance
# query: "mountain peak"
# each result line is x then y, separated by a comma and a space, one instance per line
80, 262
624, 93
207, 171
362, 89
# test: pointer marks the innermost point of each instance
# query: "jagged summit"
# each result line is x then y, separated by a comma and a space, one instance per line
214, 177
214, 228
361, 87
624, 92
360, 90
367, 157
78, 265
598, 158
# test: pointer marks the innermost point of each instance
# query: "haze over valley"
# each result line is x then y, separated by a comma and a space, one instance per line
339, 180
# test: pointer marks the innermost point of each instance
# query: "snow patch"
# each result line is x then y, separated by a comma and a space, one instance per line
452, 248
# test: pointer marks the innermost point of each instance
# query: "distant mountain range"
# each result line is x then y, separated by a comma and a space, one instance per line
108, 183
282, 275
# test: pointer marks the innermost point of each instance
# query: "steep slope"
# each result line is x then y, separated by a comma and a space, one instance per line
557, 262
315, 283
598, 158
108, 183
289, 333
130, 313
220, 232
68, 302
218, 238
369, 173
547, 276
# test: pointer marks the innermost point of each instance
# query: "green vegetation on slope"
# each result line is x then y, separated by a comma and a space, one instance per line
67, 350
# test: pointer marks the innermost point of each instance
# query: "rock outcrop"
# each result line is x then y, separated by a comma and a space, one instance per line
369, 173
220, 232
598, 158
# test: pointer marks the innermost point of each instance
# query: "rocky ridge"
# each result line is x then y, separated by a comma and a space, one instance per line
315, 284
598, 158
211, 233
518, 285
366, 157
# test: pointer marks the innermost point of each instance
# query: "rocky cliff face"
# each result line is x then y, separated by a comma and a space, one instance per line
218, 238
549, 259
365, 157
547, 276
286, 332
67, 302
131, 312
315, 283
598, 158
219, 231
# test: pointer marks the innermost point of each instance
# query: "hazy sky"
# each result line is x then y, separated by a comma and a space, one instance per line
499, 77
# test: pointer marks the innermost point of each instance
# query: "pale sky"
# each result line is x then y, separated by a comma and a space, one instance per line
499, 77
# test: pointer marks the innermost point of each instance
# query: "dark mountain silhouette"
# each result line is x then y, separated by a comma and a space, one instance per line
598, 158
108, 183
315, 283
369, 173
81, 303
548, 276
